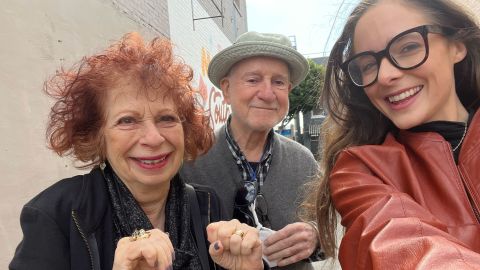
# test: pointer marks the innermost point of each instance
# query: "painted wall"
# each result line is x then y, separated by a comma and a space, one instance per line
197, 47
39, 36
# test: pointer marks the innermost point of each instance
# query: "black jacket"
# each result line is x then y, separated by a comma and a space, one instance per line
69, 225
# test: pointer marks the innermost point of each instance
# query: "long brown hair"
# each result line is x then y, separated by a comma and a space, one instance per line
352, 119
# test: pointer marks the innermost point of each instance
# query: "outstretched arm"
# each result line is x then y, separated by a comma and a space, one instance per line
388, 229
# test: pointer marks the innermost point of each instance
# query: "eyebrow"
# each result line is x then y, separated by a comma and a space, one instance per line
252, 73
258, 73
137, 113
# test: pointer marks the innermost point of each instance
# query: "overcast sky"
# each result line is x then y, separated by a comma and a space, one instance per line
310, 21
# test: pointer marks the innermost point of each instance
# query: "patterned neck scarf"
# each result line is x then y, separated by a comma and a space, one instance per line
128, 216
248, 173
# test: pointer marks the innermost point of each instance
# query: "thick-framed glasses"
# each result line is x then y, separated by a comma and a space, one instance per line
407, 50
245, 196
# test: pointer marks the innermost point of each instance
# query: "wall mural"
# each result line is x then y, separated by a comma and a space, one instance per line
209, 96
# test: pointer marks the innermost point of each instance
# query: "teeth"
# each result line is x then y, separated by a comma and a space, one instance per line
404, 95
152, 162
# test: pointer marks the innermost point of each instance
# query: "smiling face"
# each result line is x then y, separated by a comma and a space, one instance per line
420, 95
257, 90
143, 136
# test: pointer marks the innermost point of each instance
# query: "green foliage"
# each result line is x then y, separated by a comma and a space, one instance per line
304, 97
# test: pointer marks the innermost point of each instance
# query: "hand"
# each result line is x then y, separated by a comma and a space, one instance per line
235, 245
152, 252
291, 244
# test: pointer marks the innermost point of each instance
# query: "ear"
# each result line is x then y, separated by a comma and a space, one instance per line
225, 87
459, 51
290, 87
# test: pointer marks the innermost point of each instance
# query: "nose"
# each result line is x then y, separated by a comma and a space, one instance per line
151, 135
266, 93
387, 72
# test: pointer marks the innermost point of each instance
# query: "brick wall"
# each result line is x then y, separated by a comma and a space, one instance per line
234, 18
154, 14
150, 13
197, 45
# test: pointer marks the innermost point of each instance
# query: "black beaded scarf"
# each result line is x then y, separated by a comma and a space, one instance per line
128, 216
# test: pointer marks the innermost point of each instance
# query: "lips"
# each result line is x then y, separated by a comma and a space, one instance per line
152, 162
264, 108
403, 96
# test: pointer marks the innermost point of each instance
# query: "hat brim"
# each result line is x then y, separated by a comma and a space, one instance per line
222, 62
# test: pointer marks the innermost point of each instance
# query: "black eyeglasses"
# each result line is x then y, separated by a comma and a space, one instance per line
244, 197
261, 207
407, 50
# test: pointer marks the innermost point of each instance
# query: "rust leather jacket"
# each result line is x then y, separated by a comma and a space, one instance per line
407, 205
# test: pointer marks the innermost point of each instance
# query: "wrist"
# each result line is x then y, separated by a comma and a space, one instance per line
317, 232
317, 254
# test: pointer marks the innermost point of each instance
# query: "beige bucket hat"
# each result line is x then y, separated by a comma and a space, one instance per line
252, 44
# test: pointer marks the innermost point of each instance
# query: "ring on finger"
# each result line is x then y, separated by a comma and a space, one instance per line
139, 234
240, 233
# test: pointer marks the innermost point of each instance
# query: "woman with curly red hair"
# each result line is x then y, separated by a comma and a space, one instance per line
129, 113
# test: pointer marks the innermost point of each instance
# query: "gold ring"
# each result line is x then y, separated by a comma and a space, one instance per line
240, 233
139, 234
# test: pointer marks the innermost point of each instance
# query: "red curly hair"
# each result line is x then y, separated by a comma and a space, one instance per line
76, 120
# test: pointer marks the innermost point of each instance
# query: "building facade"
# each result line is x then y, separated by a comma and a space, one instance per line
40, 36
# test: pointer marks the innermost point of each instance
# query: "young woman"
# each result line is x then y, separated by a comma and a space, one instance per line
401, 154
129, 112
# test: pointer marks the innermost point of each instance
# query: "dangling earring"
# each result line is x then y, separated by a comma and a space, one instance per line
101, 153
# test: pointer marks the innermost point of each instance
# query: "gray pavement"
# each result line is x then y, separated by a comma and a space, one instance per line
327, 265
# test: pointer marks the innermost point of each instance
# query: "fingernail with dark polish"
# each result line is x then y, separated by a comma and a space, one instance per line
216, 246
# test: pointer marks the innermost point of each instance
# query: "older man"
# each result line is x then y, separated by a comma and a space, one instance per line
259, 174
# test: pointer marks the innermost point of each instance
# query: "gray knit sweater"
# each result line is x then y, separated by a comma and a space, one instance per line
292, 166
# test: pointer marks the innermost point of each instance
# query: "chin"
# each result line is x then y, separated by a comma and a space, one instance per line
156, 178
403, 125
157, 181
263, 128
267, 125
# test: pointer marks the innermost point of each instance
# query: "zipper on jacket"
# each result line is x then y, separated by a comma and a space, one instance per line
74, 216
209, 220
470, 198
475, 211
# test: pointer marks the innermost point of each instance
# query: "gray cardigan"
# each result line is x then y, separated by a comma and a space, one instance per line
292, 166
